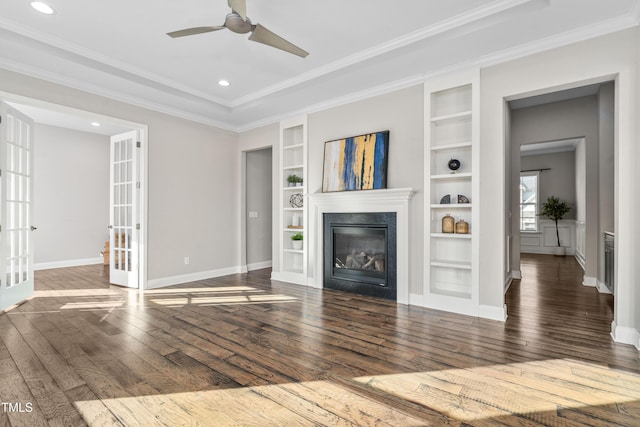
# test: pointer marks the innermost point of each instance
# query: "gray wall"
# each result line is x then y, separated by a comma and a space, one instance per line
402, 113
559, 181
71, 195
192, 180
259, 200
569, 119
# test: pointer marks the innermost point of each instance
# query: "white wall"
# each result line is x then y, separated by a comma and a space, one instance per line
402, 113
193, 183
595, 60
71, 196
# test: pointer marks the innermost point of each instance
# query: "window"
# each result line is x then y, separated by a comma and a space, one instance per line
529, 201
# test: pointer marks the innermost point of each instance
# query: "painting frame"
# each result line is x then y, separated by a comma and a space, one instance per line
356, 163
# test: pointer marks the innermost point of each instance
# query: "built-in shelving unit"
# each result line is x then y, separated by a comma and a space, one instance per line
451, 132
293, 218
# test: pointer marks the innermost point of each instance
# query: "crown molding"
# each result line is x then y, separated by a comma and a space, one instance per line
336, 102
440, 27
83, 86
106, 61
570, 37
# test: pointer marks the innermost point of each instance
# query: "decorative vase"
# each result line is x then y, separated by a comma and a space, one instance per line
296, 244
462, 227
447, 224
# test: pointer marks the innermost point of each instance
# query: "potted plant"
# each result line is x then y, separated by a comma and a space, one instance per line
292, 179
296, 241
555, 209
298, 181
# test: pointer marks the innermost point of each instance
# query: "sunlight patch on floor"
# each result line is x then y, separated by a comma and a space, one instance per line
532, 390
202, 290
225, 300
66, 293
536, 390
309, 403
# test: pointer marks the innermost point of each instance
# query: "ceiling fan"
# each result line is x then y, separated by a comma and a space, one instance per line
238, 22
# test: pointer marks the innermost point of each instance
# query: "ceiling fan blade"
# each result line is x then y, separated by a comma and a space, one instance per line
239, 6
261, 35
195, 30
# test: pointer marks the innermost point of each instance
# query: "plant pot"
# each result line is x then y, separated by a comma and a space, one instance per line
560, 251
296, 244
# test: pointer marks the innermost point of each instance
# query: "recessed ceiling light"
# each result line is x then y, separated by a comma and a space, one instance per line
224, 83
95, 124
42, 7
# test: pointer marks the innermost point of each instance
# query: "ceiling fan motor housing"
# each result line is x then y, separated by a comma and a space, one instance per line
235, 23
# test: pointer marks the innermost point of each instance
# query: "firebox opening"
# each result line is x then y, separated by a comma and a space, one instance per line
360, 253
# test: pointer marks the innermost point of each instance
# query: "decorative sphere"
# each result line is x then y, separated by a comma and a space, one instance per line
454, 164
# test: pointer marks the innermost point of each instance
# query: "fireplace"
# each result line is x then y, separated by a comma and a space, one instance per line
360, 253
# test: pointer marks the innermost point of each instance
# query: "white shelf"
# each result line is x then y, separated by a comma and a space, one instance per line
451, 206
294, 251
451, 264
292, 267
451, 146
451, 132
451, 176
454, 294
451, 117
291, 167
451, 236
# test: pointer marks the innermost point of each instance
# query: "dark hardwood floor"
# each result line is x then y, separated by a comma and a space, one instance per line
242, 350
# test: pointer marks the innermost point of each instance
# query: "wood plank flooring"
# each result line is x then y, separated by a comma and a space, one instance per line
244, 351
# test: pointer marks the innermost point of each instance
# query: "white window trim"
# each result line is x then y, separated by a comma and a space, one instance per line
537, 202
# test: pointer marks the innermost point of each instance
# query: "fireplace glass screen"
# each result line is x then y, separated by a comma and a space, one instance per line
359, 253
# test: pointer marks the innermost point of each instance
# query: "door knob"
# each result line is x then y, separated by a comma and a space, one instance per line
33, 228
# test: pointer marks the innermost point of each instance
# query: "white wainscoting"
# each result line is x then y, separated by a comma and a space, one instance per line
544, 240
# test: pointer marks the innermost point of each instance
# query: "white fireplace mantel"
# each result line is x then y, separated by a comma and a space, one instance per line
387, 200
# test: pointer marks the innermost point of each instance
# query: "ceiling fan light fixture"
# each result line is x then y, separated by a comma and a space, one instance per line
42, 7
224, 83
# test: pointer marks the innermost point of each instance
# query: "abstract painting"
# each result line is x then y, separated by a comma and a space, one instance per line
356, 163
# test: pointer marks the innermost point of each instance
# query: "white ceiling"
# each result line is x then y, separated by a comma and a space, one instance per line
119, 48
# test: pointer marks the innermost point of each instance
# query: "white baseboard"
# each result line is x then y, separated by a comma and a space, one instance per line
259, 265
592, 282
493, 313
68, 263
191, 277
581, 259
513, 275
602, 288
625, 335
416, 299
545, 250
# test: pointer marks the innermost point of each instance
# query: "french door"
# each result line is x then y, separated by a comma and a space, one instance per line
16, 206
123, 207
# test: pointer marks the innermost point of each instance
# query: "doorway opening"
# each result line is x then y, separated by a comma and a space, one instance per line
257, 173
562, 144
72, 191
